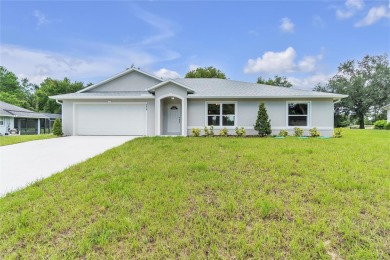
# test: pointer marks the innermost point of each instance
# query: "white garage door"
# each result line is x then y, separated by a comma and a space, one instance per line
110, 119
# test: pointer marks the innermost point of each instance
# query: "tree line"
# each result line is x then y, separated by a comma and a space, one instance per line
35, 97
366, 82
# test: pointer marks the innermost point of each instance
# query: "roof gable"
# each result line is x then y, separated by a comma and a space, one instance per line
189, 90
128, 80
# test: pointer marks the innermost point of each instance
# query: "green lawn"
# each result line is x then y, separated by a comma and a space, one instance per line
211, 198
14, 139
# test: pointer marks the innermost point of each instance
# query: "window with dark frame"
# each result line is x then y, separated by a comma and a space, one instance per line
221, 114
298, 114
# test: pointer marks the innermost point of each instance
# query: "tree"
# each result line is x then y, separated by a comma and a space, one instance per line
277, 81
206, 72
57, 127
12, 91
51, 87
367, 84
263, 124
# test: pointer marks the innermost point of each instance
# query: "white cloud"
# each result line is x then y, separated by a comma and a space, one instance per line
193, 67
37, 65
91, 61
355, 4
41, 18
281, 62
344, 14
166, 74
374, 15
351, 6
287, 25
165, 28
310, 82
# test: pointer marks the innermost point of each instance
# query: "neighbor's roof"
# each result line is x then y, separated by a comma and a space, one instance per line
9, 110
224, 88
105, 95
52, 116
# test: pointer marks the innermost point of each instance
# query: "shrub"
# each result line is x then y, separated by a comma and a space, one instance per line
263, 124
57, 127
195, 132
338, 132
380, 124
283, 133
341, 121
298, 132
206, 131
240, 131
224, 132
387, 127
209, 131
314, 132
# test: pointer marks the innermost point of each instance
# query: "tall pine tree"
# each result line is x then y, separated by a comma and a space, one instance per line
263, 123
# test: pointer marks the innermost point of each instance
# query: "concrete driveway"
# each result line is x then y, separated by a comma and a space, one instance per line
21, 164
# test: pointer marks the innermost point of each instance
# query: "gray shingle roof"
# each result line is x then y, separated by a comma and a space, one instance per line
15, 111
209, 88
230, 88
105, 94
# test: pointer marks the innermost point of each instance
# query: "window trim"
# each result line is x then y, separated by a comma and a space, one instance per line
220, 126
308, 125
2, 120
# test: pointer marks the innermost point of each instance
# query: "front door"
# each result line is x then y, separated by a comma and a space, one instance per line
174, 119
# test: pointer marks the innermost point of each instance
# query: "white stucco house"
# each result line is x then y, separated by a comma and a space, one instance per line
136, 103
387, 107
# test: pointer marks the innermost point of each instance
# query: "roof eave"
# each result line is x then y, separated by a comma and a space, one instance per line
100, 97
271, 97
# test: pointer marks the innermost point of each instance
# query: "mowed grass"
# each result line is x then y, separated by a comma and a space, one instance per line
14, 139
211, 198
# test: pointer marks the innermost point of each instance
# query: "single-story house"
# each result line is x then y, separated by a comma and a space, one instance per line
387, 107
136, 103
23, 120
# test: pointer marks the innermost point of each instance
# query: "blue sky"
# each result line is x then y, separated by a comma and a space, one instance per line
91, 40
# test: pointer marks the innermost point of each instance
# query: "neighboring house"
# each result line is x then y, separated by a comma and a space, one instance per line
136, 103
388, 111
23, 120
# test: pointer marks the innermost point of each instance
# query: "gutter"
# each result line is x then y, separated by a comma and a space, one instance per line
58, 102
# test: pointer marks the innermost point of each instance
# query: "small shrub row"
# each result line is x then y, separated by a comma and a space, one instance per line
209, 131
298, 132
382, 124
240, 131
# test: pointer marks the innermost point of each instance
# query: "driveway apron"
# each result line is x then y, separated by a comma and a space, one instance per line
24, 163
